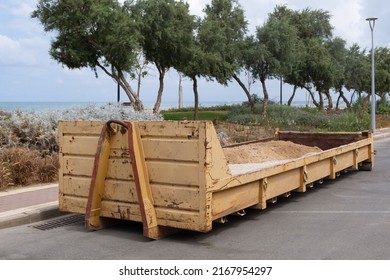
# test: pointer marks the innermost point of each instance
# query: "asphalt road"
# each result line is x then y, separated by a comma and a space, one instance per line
348, 218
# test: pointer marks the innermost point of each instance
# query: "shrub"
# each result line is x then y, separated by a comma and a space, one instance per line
38, 130
22, 166
350, 121
28, 140
301, 118
383, 107
5, 176
47, 168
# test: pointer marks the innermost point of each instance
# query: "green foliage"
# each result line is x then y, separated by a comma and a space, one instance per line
224, 107
383, 106
189, 115
297, 46
278, 39
94, 34
88, 33
302, 119
358, 70
349, 121
382, 72
338, 53
167, 29
313, 24
221, 34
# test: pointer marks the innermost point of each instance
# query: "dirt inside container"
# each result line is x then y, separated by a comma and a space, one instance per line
267, 151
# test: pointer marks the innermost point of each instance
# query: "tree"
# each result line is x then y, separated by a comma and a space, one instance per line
274, 52
338, 53
320, 68
194, 69
167, 29
95, 34
312, 26
221, 34
139, 70
357, 71
382, 72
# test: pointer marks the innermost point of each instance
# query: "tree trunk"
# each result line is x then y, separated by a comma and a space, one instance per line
139, 84
330, 100
352, 95
292, 96
157, 105
196, 98
347, 103
312, 97
180, 93
337, 102
248, 94
118, 76
366, 102
131, 94
266, 97
321, 99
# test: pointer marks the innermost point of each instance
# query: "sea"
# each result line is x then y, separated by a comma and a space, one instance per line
42, 106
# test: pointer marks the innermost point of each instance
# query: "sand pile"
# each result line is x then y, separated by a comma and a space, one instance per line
267, 151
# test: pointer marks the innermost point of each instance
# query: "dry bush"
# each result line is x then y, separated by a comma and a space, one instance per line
20, 162
23, 166
47, 169
28, 140
5, 176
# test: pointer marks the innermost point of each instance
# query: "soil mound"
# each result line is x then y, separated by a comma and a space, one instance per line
266, 151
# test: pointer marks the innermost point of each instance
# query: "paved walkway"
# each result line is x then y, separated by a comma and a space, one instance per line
28, 196
32, 204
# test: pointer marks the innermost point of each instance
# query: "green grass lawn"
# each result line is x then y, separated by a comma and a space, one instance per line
189, 115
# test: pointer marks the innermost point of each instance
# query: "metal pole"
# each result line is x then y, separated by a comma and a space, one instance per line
281, 90
119, 93
373, 97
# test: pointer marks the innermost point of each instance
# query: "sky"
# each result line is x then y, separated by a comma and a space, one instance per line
27, 73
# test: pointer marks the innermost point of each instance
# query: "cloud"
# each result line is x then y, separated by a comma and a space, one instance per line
197, 6
14, 53
348, 20
23, 9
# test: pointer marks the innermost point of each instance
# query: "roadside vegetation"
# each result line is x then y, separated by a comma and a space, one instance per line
127, 38
123, 39
28, 140
356, 118
29, 147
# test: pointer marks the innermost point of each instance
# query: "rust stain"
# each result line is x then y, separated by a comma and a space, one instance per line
174, 204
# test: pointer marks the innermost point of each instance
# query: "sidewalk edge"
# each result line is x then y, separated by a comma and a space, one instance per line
31, 216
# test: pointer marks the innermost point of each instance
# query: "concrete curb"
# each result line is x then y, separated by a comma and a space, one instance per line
30, 215
381, 135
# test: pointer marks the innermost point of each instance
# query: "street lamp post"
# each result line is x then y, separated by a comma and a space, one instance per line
371, 21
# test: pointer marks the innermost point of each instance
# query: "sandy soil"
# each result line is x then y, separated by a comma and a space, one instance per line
267, 151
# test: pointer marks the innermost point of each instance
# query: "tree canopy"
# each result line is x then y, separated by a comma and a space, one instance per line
167, 28
297, 46
95, 34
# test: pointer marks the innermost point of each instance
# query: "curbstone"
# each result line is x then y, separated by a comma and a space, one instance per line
30, 215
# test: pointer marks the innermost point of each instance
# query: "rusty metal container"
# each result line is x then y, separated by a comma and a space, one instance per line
174, 175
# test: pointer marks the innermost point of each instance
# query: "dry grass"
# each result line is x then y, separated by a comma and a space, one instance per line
28, 140
5, 176
22, 166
